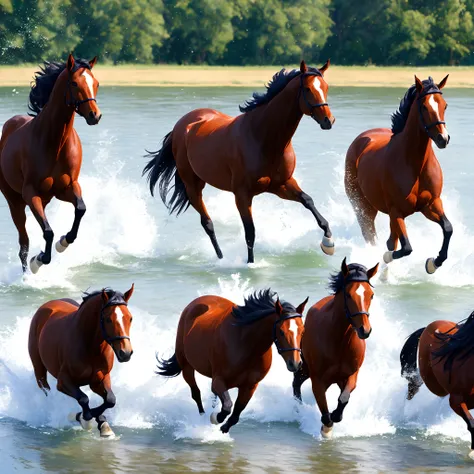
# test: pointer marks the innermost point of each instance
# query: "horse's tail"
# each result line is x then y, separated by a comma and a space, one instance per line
161, 169
408, 361
168, 367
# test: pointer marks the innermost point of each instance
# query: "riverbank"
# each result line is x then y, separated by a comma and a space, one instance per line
217, 76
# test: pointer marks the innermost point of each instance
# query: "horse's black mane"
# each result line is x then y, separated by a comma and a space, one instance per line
257, 306
336, 280
274, 87
400, 116
44, 81
458, 345
110, 293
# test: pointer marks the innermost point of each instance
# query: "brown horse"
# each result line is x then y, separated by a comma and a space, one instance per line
76, 344
333, 341
396, 171
41, 156
248, 155
446, 365
233, 345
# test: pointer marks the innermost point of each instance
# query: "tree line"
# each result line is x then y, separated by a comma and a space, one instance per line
239, 32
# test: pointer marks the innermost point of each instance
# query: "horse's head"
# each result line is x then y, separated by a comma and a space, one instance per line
115, 321
313, 94
431, 107
82, 89
287, 332
358, 296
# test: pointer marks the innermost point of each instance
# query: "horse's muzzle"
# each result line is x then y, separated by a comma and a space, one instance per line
93, 118
123, 356
362, 333
327, 123
293, 366
442, 141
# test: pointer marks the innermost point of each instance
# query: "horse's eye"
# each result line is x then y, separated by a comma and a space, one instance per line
74, 84
372, 297
282, 333
308, 89
425, 108
131, 319
109, 320
446, 106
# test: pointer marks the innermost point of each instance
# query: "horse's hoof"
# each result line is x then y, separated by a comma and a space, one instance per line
35, 265
471, 454
388, 256
383, 276
213, 418
106, 431
327, 245
326, 432
430, 266
62, 244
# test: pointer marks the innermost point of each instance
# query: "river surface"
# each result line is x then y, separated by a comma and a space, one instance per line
126, 236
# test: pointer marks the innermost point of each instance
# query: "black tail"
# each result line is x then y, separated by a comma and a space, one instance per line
161, 169
408, 361
168, 368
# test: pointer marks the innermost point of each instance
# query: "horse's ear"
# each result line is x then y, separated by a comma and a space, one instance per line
105, 296
371, 273
344, 268
278, 307
303, 67
70, 62
128, 294
92, 62
419, 84
443, 82
301, 307
324, 68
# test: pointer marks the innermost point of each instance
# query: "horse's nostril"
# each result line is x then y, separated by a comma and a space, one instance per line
121, 354
92, 114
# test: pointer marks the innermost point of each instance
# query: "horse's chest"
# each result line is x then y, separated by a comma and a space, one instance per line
55, 184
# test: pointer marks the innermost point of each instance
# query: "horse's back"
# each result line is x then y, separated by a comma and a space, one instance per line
431, 368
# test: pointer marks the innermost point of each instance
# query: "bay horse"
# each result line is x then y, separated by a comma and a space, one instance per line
76, 345
233, 346
396, 171
333, 342
41, 154
248, 155
445, 363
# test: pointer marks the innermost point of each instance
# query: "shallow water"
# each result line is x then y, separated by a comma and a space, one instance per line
126, 237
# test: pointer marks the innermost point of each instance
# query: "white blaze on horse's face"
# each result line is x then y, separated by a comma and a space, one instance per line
360, 292
294, 330
90, 82
435, 108
317, 85
119, 315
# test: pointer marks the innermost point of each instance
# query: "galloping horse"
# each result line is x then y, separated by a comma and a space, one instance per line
248, 155
445, 365
396, 171
233, 345
41, 156
333, 342
76, 344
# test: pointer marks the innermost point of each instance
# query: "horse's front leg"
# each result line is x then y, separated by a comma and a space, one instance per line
343, 400
103, 388
397, 227
66, 386
435, 213
72, 194
458, 405
243, 201
219, 388
245, 394
319, 391
292, 192
32, 198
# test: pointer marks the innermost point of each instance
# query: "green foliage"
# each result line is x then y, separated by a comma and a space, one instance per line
239, 31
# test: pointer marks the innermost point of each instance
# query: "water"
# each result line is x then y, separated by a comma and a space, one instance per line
126, 236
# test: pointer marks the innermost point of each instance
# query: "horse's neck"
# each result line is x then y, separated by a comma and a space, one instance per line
57, 118
88, 323
257, 338
275, 123
416, 142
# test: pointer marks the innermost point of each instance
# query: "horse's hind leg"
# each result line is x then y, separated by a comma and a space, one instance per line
458, 404
194, 186
219, 388
397, 226
243, 398
103, 389
435, 213
343, 400
17, 210
188, 375
41, 373
72, 194
244, 204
